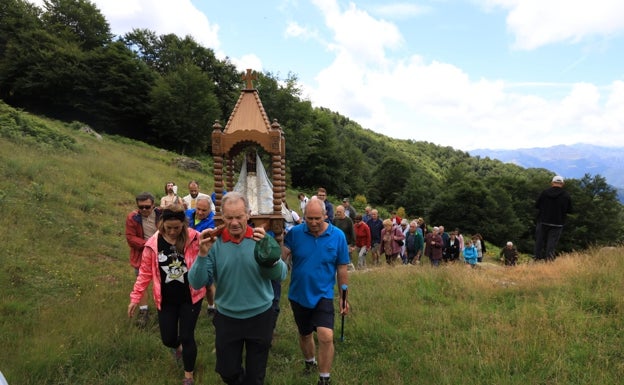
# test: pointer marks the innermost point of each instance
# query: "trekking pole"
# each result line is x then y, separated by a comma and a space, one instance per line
344, 305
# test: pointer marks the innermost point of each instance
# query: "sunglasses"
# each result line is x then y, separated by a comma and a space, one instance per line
144, 207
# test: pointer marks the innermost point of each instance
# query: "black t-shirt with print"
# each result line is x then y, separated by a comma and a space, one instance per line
174, 284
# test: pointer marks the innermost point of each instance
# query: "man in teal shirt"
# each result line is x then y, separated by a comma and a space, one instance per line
244, 294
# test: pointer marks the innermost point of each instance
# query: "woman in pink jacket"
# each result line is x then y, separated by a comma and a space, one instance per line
167, 258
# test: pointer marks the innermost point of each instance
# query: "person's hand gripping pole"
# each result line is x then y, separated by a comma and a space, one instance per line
344, 309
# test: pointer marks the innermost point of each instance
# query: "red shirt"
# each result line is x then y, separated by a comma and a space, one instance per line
362, 235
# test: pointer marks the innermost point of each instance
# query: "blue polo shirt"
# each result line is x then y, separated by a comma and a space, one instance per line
315, 261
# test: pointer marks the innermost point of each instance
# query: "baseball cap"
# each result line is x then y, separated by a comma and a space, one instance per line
557, 179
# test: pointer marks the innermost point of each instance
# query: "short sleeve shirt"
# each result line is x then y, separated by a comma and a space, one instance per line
315, 261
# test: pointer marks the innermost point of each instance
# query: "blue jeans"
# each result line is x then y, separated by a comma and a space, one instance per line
546, 237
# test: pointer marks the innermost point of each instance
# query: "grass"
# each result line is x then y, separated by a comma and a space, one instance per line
66, 279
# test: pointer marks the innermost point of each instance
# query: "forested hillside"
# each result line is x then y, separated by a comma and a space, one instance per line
62, 62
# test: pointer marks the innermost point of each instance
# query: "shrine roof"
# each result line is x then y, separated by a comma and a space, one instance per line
248, 113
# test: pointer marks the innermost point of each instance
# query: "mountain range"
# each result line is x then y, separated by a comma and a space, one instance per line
569, 161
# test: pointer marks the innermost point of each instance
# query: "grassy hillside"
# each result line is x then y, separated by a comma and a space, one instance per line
66, 279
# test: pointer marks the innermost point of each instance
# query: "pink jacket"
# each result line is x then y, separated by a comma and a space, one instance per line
149, 269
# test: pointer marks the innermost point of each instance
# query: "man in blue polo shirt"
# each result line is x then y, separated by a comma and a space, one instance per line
318, 250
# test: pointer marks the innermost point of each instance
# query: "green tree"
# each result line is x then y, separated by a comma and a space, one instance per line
597, 218
165, 53
390, 180
322, 167
16, 17
41, 73
184, 108
418, 194
467, 204
77, 21
116, 97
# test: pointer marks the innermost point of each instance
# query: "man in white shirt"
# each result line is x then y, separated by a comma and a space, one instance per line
190, 201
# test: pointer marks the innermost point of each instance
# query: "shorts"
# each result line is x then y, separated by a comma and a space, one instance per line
308, 320
375, 248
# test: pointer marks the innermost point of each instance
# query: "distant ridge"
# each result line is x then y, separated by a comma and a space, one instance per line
570, 161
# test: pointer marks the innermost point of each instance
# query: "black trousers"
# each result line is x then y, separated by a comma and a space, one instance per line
546, 239
177, 326
232, 335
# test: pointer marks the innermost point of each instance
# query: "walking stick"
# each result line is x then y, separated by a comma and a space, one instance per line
344, 305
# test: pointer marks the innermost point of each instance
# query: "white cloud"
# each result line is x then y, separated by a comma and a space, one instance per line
440, 103
295, 30
422, 99
358, 32
536, 23
247, 61
400, 10
179, 17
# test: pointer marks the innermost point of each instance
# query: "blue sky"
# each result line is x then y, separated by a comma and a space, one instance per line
498, 74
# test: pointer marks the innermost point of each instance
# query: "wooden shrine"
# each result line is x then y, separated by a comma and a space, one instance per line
248, 126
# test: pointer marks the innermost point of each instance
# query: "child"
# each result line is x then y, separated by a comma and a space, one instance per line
470, 254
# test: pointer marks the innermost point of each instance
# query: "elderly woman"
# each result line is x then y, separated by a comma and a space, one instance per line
392, 239
509, 254
434, 246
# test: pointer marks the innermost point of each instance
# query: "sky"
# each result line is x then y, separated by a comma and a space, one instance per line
470, 74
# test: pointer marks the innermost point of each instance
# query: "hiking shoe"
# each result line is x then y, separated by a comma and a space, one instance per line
177, 355
324, 381
310, 367
142, 318
188, 381
211, 311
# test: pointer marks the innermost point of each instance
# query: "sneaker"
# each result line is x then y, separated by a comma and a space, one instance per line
211, 311
142, 318
188, 381
177, 354
324, 381
310, 367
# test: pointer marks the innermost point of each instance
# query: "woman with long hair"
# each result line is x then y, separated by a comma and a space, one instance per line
167, 258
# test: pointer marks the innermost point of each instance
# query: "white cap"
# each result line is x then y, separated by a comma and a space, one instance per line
557, 179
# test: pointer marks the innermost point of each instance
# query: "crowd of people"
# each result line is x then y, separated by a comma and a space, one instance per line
177, 248
399, 240
238, 268
405, 241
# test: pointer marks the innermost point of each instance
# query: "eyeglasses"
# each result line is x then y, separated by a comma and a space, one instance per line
144, 207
